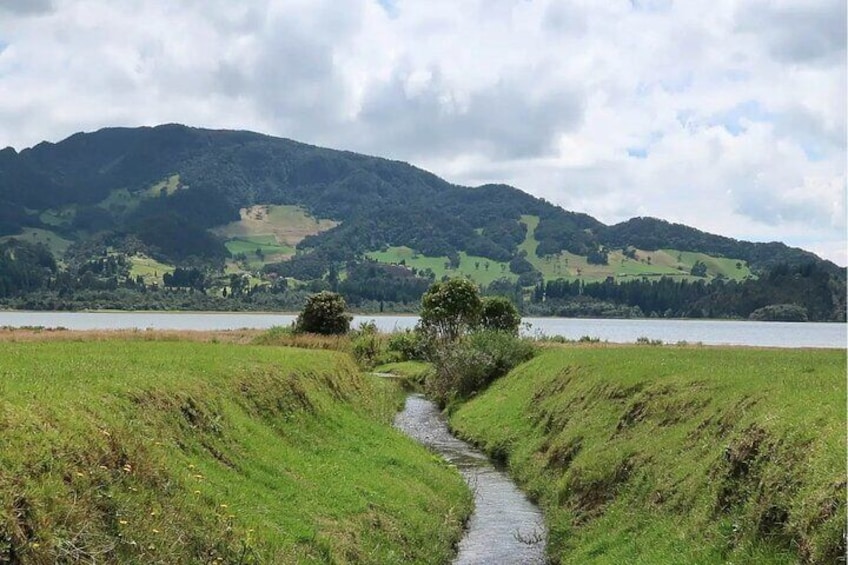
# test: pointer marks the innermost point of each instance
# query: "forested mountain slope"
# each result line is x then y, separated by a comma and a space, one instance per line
176, 196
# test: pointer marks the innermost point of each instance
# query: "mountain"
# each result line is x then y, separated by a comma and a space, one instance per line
173, 196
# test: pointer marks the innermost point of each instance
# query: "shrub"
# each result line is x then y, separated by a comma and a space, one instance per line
324, 313
367, 346
450, 309
780, 313
642, 340
503, 350
467, 366
458, 372
407, 345
499, 314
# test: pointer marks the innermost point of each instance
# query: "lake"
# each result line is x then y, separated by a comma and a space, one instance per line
707, 332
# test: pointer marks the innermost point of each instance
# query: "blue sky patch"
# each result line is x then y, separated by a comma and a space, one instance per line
390, 7
732, 119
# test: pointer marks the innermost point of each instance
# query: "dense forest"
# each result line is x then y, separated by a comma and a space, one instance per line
162, 192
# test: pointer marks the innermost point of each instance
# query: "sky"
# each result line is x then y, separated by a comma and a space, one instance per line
727, 115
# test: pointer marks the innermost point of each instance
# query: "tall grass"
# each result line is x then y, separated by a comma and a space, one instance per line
175, 452
676, 455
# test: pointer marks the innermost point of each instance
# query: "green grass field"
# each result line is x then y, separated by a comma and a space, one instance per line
168, 185
56, 244
275, 230
663, 262
59, 217
149, 269
266, 244
145, 451
286, 224
644, 454
479, 269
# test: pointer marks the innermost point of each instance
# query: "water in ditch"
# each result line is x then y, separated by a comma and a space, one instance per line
505, 528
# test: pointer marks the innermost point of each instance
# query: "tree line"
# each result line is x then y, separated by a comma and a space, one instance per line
809, 286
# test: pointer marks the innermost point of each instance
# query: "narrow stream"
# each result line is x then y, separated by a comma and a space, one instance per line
505, 528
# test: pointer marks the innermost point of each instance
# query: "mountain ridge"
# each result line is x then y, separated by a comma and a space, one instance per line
166, 192
55, 174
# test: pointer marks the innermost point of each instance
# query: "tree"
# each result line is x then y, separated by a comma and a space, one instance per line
324, 313
699, 269
450, 309
499, 314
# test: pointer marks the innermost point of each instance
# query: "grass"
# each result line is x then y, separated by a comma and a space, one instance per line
676, 455
149, 269
56, 244
287, 225
275, 230
140, 451
169, 185
470, 266
409, 369
663, 262
59, 217
267, 244
119, 201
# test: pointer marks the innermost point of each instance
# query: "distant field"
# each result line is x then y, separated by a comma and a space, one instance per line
274, 230
119, 201
266, 244
56, 244
288, 225
664, 262
59, 217
150, 269
168, 185
479, 269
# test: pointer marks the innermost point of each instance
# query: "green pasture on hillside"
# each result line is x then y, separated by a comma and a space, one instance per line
566, 265
643, 454
149, 269
652, 264
55, 243
139, 451
479, 269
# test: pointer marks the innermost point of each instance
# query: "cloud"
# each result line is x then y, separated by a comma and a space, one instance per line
730, 118
419, 112
798, 31
26, 7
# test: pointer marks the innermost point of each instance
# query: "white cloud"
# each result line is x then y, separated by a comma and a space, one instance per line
729, 116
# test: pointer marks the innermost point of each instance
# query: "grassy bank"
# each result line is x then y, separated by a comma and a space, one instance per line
676, 455
138, 451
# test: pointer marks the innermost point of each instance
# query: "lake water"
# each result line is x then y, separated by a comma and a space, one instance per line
708, 332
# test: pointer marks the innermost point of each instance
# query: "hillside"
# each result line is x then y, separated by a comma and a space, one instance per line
152, 449
644, 454
247, 210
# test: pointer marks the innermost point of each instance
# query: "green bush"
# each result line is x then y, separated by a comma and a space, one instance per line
458, 372
467, 366
500, 314
450, 309
324, 313
368, 346
780, 313
407, 345
503, 350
